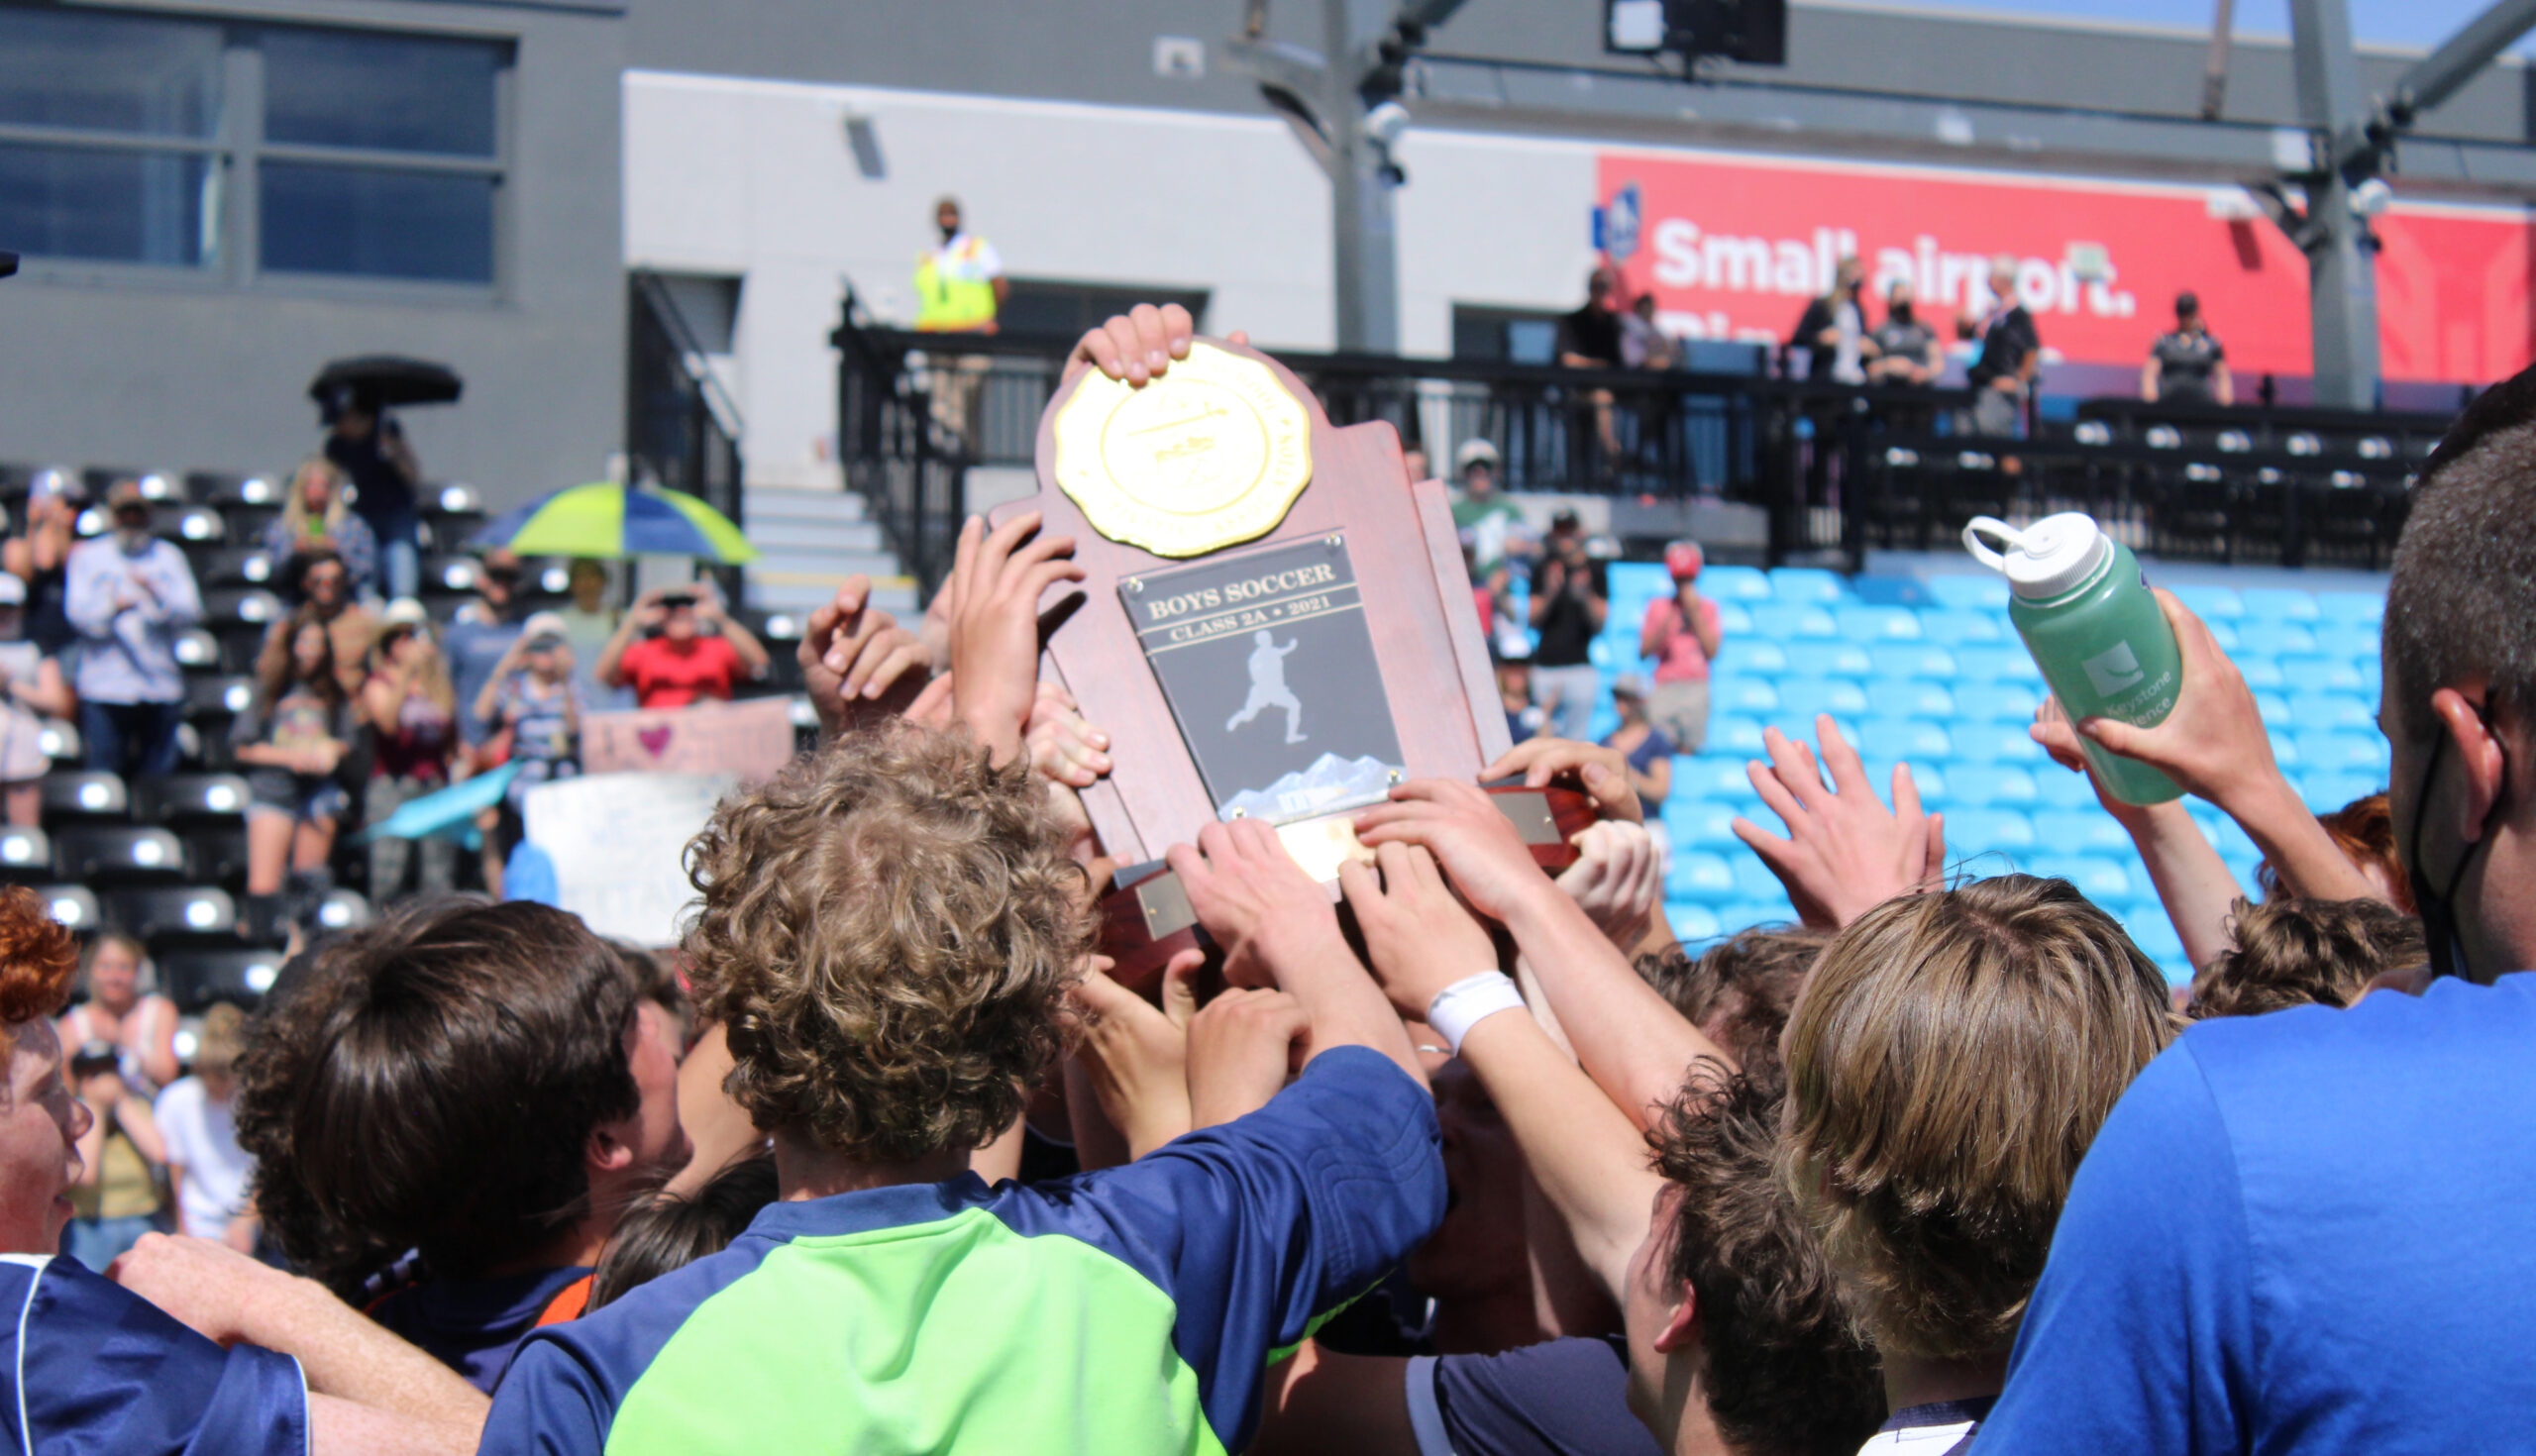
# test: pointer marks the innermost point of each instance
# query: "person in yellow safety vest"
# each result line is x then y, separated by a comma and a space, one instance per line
959, 285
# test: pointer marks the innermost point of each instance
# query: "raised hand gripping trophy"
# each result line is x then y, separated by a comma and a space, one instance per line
1274, 623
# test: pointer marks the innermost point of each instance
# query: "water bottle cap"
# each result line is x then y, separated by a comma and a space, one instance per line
2047, 558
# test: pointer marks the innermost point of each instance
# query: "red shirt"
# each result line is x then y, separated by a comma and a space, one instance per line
665, 676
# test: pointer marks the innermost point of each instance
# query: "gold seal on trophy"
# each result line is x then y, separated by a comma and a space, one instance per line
1210, 455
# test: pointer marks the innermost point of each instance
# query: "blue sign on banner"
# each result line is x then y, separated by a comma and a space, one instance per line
1618, 224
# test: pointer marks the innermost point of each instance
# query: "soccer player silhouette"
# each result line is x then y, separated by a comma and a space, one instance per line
1268, 687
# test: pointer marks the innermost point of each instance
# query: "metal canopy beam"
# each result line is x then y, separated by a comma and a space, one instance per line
2437, 76
2342, 254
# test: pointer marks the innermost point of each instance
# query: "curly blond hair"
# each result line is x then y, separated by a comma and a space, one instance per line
889, 930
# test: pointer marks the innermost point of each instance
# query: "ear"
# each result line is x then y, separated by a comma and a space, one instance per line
1681, 1321
605, 1152
2479, 754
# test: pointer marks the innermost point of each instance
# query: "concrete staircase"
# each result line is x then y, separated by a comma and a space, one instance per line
812, 540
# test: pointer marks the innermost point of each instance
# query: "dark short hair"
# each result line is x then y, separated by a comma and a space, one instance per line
431, 1083
2302, 953
1787, 1372
2461, 603
667, 1231
1739, 992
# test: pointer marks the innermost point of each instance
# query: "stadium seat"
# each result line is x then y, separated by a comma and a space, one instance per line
1734, 733
218, 697
1748, 655
1806, 585
197, 980
1755, 882
1966, 591
2100, 877
1985, 784
95, 854
231, 565
1929, 778
1812, 658
2260, 674
26, 855
242, 604
197, 651
1802, 698
1978, 831
181, 913
2155, 937
1699, 824
2313, 712
73, 794
1996, 743
1909, 698
2329, 791
218, 853
2211, 603
1693, 924
1741, 695
2358, 608
1787, 621
2055, 787
450, 573
58, 740
2317, 673
2083, 831
343, 909
2331, 752
1991, 663
171, 798
1996, 703
1949, 627
1877, 623
2285, 748
1744, 914
2354, 640
2272, 637
1714, 779
1736, 583
2274, 709
73, 905
1912, 660
1914, 738
2223, 631
1700, 874
2279, 603
208, 487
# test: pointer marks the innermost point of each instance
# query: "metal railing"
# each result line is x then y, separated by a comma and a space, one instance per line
682, 430
1836, 469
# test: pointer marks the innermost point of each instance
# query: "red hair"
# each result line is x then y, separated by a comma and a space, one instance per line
37, 957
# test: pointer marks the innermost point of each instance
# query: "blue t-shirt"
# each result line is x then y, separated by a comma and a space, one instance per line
87, 1366
1559, 1397
1132, 1309
2305, 1231
473, 1325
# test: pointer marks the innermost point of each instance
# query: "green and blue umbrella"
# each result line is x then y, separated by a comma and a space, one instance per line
611, 521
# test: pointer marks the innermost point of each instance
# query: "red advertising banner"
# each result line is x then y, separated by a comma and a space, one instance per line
1731, 247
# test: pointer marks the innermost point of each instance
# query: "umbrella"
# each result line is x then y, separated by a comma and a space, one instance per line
383, 379
611, 521
448, 814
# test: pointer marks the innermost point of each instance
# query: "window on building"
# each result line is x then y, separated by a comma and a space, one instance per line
241, 150
1508, 335
1039, 308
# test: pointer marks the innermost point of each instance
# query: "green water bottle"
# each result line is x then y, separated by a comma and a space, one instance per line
2083, 607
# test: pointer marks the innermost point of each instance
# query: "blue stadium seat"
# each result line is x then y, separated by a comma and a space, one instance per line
1641, 581
2365, 609
2245, 867
2274, 639
1734, 733
1693, 923
2274, 709
1984, 591
1754, 880
2226, 835
1808, 586
1748, 655
2330, 752
2319, 710
2009, 664
2083, 831
2057, 788
1997, 702
2100, 877
2327, 792
1716, 778
1736, 583
2355, 640
2155, 937
1982, 786
1877, 623
1915, 738
1948, 627
1741, 695
2260, 674
1748, 913
1734, 619
2279, 603
2211, 603
2223, 630
1996, 743
1912, 660
1929, 778
1802, 698
1700, 874
1803, 729
2317, 673
1813, 658
1979, 831
1909, 698
1787, 621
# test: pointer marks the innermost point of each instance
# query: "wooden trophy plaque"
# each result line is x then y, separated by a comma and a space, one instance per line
1274, 623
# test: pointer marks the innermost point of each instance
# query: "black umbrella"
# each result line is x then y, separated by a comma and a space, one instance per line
379, 381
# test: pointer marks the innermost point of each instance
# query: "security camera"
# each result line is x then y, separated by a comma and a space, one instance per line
1386, 122
2370, 197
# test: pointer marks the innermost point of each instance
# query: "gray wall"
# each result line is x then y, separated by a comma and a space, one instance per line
101, 370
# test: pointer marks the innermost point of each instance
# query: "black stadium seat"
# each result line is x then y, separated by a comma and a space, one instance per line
60, 740
182, 798
192, 912
218, 697
75, 793
97, 854
218, 487
232, 565
226, 604
26, 855
196, 979
71, 904
218, 854
197, 651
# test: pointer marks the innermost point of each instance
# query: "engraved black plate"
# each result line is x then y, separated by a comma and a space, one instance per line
1268, 667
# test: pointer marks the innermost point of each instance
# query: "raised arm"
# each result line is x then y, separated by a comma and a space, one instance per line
1844, 852
751, 652
609, 669
858, 661
996, 581
2193, 883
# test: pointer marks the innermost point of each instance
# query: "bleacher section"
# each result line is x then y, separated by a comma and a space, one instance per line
1928, 670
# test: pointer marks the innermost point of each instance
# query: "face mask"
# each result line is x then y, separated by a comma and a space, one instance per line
1901, 313
2438, 909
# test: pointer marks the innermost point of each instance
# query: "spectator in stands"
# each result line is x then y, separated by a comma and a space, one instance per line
477, 1083
532, 699
315, 517
370, 449
118, 1195
130, 595
2365, 831
122, 1008
2305, 952
2011, 353
1571, 597
1414, 464
294, 742
480, 637
681, 664
959, 285
589, 623
1738, 992
1650, 753
98, 1367
1950, 1058
1644, 345
40, 557
668, 1231
1590, 338
1491, 527
324, 588
2187, 365
412, 712
32, 689
1523, 717
1833, 329
1906, 349
1681, 633
207, 1168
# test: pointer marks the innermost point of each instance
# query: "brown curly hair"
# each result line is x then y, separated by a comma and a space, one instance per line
2299, 953
38, 958
1737, 991
889, 930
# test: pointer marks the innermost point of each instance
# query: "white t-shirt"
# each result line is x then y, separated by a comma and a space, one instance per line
202, 1141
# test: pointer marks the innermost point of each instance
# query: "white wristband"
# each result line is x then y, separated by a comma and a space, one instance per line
1467, 1003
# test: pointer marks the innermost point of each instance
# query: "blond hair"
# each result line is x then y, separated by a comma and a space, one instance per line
1948, 1062
294, 506
889, 930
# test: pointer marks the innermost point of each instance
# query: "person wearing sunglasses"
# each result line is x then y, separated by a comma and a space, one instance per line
681, 664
